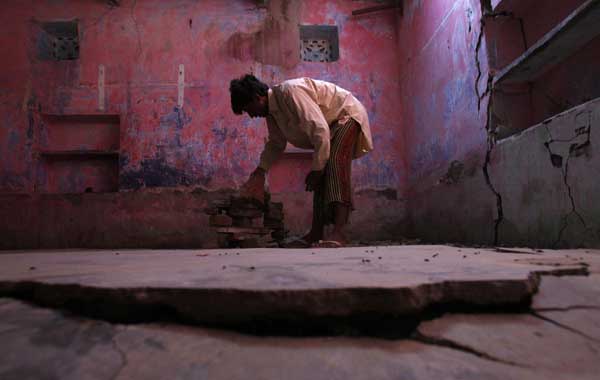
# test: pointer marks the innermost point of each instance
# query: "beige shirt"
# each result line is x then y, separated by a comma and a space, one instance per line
300, 112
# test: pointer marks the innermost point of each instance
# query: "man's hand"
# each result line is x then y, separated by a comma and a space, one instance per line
313, 180
255, 186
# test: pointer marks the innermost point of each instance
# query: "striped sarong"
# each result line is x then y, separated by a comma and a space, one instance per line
336, 185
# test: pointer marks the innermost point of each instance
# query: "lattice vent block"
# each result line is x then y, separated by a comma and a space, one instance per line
315, 51
319, 43
59, 41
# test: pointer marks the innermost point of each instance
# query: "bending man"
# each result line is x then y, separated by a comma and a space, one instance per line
309, 114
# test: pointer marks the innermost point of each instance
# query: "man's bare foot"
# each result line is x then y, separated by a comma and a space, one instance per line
312, 237
295, 243
327, 244
338, 236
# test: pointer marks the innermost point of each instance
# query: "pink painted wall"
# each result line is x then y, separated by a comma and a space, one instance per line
438, 70
558, 88
142, 43
438, 74
449, 199
201, 145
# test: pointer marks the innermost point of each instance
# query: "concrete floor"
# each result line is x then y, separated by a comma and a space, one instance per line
440, 312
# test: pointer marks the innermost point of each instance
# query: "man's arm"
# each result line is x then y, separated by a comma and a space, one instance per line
255, 186
311, 119
274, 147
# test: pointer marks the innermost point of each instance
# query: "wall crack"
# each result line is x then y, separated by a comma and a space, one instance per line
489, 127
557, 161
486, 12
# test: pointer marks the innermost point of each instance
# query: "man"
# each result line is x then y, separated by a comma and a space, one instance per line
309, 114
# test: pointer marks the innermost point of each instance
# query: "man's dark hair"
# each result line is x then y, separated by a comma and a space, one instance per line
244, 90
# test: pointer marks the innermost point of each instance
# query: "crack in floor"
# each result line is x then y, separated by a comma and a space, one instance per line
565, 327
506, 250
414, 335
133, 305
448, 343
122, 354
8, 331
388, 312
127, 306
581, 270
566, 308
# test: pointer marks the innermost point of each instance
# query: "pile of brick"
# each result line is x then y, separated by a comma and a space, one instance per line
247, 223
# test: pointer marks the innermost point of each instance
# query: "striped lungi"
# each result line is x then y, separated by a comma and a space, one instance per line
336, 185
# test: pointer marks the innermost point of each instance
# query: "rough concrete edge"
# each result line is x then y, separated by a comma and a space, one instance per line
379, 312
231, 307
433, 340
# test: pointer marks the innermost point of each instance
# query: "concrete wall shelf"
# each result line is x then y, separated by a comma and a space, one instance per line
569, 36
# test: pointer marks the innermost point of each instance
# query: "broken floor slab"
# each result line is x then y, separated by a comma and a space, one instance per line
233, 287
561, 293
518, 339
583, 320
43, 343
563, 325
572, 302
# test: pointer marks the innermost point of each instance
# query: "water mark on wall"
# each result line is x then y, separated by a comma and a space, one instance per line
180, 86
101, 96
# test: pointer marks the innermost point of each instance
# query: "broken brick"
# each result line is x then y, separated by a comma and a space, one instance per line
211, 210
278, 234
244, 230
273, 223
245, 203
247, 223
220, 220
242, 221
245, 212
249, 243
273, 213
223, 240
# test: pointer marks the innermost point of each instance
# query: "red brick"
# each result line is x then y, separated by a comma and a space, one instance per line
220, 220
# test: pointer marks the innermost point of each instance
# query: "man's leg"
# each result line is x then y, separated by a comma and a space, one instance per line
341, 212
318, 223
337, 186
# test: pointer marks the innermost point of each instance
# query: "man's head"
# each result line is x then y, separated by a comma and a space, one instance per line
248, 94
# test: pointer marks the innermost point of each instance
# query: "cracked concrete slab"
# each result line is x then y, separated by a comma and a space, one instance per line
237, 286
564, 325
522, 339
585, 320
567, 292
43, 344
46, 344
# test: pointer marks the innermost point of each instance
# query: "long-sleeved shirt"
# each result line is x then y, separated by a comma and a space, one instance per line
300, 112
